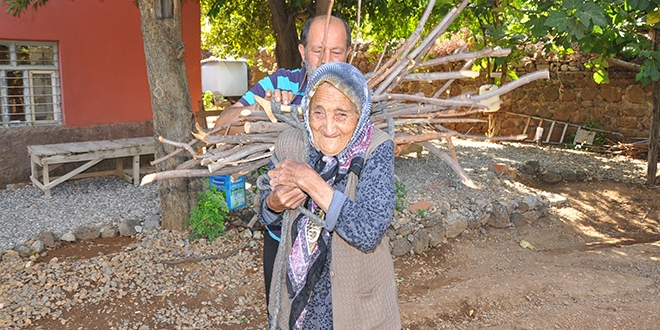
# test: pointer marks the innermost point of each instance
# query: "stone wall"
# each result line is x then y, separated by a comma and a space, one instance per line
15, 164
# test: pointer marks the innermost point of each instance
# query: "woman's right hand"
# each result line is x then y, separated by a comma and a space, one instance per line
283, 198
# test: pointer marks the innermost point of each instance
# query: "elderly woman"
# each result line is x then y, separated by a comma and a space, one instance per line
338, 274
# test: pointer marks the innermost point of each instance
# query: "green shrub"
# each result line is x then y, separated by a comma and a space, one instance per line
600, 138
207, 219
400, 192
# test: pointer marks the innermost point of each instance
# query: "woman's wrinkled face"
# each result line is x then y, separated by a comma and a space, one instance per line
332, 119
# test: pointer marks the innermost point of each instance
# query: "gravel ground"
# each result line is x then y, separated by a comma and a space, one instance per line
134, 288
93, 201
96, 201
430, 179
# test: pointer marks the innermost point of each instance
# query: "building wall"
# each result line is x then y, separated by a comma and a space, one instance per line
102, 64
103, 75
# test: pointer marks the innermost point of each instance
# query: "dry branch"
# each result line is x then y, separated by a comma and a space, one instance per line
240, 154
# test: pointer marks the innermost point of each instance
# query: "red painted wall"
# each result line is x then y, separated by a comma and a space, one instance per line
101, 56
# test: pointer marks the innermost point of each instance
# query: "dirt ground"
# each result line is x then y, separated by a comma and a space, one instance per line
596, 265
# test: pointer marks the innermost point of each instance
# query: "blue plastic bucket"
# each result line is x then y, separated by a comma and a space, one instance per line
234, 190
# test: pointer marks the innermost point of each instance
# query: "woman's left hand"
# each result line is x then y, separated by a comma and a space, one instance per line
289, 173
301, 175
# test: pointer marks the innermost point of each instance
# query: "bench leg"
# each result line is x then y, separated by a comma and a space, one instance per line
119, 166
136, 170
35, 175
46, 180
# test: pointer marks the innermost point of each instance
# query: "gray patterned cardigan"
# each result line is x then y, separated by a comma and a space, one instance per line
361, 284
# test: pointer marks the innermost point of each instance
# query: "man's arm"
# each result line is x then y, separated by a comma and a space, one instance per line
233, 113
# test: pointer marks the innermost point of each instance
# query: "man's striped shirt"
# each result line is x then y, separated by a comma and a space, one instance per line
285, 80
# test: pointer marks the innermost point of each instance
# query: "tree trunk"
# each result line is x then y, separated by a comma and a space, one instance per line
286, 35
653, 138
652, 165
170, 101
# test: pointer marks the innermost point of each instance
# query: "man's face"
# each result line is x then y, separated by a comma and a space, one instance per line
335, 50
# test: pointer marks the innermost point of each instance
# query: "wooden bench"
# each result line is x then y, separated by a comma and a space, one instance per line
51, 156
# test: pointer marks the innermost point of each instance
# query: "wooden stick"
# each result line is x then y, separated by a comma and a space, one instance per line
438, 121
234, 170
191, 143
472, 102
241, 139
404, 138
237, 153
212, 257
218, 165
465, 179
403, 51
540, 74
486, 52
357, 34
452, 151
444, 87
264, 127
430, 76
179, 145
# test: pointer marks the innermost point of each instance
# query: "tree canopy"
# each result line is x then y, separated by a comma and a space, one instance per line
239, 28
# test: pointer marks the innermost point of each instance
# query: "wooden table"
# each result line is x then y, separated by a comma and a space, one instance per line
51, 156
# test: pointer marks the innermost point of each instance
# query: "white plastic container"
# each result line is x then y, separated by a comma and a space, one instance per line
494, 102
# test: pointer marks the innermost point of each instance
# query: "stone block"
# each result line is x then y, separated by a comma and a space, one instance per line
85, 233
436, 235
109, 231
68, 237
50, 240
530, 201
127, 227
401, 247
610, 94
569, 176
519, 220
551, 177
420, 241
499, 217
22, 250
455, 224
406, 230
37, 246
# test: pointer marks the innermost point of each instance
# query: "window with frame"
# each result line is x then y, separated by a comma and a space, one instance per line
29, 84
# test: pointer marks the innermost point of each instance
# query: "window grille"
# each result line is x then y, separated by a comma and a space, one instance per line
29, 84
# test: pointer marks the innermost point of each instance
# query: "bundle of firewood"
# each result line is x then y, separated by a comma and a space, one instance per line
635, 150
240, 154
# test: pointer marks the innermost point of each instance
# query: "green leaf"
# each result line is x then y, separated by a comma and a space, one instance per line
538, 26
640, 5
577, 30
512, 75
654, 55
572, 4
591, 13
558, 19
653, 18
601, 77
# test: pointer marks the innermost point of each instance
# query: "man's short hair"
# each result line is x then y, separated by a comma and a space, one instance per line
304, 34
